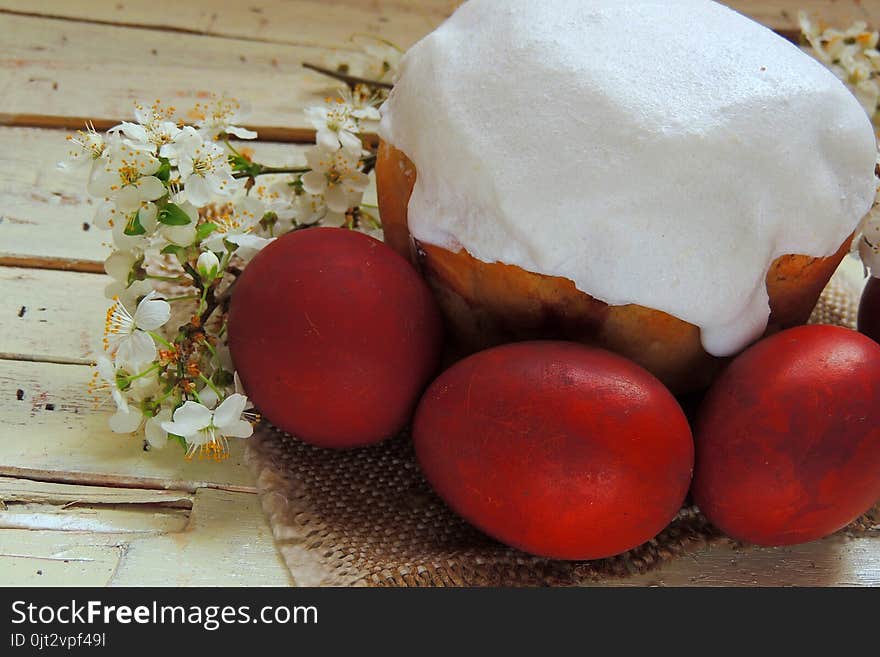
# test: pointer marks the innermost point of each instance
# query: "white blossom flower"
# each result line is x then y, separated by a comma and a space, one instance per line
208, 266
104, 380
154, 131
125, 177
206, 431
109, 215
237, 227
127, 336
364, 106
279, 199
208, 398
219, 116
144, 385
182, 235
205, 171
335, 176
127, 421
336, 125
87, 147
154, 434
851, 54
119, 267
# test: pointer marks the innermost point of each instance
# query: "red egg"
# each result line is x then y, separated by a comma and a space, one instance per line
788, 439
555, 448
869, 310
334, 336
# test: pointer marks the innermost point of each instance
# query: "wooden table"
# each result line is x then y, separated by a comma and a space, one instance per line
80, 505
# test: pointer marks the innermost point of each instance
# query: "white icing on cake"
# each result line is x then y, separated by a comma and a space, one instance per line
653, 152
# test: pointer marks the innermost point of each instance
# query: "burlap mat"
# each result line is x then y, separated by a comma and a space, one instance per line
367, 517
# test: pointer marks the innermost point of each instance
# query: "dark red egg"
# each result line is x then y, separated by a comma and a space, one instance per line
334, 336
788, 439
555, 448
869, 310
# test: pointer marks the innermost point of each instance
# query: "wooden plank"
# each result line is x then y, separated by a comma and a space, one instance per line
327, 23
100, 520
28, 491
227, 542
332, 23
64, 68
835, 561
46, 214
50, 431
51, 315
48, 558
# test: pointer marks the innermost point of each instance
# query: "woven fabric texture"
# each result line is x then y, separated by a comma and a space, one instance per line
368, 518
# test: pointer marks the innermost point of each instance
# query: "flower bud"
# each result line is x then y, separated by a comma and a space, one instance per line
208, 267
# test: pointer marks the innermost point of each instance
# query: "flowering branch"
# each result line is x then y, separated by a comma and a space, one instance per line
187, 210
853, 56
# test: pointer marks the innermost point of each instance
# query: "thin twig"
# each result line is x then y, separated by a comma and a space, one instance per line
350, 80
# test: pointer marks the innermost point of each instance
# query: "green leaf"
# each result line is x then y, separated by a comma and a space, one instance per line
173, 215
164, 172
241, 164
204, 230
134, 227
174, 249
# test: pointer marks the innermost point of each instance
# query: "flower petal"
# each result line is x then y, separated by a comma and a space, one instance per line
125, 421
118, 265
197, 191
326, 139
135, 350
188, 420
180, 235
156, 436
152, 313
147, 216
229, 411
337, 199
238, 429
128, 199
150, 188
106, 370
350, 142
241, 133
208, 397
314, 182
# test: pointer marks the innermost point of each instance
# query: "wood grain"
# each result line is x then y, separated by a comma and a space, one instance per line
51, 315
54, 433
227, 540
62, 68
317, 23
41, 492
223, 539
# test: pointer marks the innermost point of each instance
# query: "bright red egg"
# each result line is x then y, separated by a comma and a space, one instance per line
334, 336
788, 439
869, 310
555, 448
